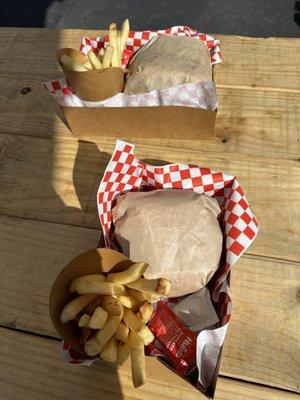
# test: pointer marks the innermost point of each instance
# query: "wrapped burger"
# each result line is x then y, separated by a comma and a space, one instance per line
176, 231
168, 61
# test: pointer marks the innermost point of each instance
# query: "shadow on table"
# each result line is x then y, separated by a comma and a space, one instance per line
63, 182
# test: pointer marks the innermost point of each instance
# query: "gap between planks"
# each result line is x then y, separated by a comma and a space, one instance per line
258, 88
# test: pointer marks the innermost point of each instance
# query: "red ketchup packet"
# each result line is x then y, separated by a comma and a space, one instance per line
178, 341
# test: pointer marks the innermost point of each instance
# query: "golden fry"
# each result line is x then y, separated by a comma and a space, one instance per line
122, 332
113, 41
84, 321
107, 57
108, 330
130, 302
131, 274
78, 282
98, 319
159, 286
143, 296
136, 325
94, 60
72, 64
119, 43
73, 308
101, 54
87, 65
124, 351
92, 346
145, 312
92, 306
112, 305
124, 36
110, 351
99, 287
138, 368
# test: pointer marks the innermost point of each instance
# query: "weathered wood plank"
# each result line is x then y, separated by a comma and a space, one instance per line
263, 335
43, 376
57, 180
261, 345
246, 61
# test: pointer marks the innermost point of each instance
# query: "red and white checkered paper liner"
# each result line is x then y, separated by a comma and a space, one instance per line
137, 39
193, 94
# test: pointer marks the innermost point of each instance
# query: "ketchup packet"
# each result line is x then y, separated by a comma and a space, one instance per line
178, 342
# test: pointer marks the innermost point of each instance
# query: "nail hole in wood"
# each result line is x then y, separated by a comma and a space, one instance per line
224, 140
26, 90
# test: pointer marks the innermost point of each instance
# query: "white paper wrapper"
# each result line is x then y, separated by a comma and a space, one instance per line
197, 311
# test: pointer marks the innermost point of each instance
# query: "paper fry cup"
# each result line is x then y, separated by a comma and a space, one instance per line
94, 261
92, 85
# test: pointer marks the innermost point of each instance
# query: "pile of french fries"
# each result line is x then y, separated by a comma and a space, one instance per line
112, 312
110, 56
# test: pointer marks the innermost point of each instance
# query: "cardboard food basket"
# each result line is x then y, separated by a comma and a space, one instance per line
92, 107
125, 173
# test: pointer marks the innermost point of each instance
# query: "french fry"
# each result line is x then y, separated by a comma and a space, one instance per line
98, 319
129, 275
72, 64
130, 302
92, 346
84, 321
86, 332
138, 368
160, 286
107, 57
136, 325
77, 282
87, 65
93, 305
124, 36
87, 286
145, 312
101, 54
110, 351
108, 330
94, 60
73, 308
122, 332
124, 351
139, 296
112, 305
119, 44
113, 41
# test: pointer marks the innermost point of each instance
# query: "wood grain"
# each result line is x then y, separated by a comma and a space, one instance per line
248, 62
46, 175
43, 376
261, 346
263, 334
57, 180
265, 123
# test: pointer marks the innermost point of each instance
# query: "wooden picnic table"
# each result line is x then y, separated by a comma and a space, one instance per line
48, 184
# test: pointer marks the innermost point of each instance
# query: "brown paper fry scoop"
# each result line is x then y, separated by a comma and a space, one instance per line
92, 262
92, 85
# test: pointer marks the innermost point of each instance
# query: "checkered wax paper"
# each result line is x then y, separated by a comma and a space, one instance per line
137, 39
194, 94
